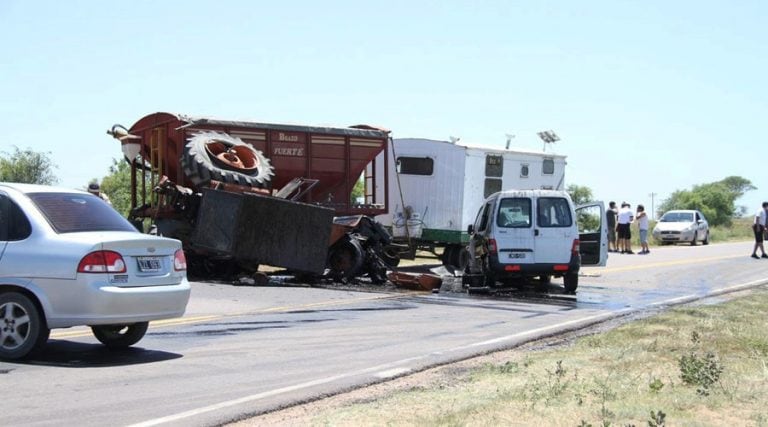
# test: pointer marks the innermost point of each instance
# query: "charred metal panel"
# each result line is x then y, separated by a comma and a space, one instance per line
264, 229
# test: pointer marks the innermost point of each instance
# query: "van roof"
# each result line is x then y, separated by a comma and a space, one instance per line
532, 193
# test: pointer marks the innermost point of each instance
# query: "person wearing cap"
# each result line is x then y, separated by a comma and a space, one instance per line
95, 189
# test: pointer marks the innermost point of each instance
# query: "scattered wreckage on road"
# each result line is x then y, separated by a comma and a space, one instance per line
243, 194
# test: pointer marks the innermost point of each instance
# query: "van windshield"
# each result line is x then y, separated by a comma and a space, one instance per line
553, 212
514, 212
677, 217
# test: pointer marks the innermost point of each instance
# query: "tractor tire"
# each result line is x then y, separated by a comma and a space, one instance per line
221, 157
345, 259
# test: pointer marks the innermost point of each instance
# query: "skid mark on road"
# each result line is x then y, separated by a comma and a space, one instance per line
80, 332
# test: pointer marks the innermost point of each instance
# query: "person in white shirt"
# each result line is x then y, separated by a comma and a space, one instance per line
624, 219
642, 226
759, 228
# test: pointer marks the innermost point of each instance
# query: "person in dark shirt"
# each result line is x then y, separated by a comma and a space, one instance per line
611, 222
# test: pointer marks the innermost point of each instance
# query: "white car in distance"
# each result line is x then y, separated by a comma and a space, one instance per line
682, 226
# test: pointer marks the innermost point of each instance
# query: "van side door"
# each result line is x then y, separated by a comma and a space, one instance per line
477, 247
593, 233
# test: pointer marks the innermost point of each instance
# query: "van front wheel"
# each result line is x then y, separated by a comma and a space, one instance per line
571, 282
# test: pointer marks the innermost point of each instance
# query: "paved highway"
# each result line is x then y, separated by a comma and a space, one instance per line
244, 350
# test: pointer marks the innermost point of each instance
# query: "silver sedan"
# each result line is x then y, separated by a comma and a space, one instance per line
67, 259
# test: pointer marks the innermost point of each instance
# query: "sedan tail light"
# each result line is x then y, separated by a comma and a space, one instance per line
179, 261
102, 262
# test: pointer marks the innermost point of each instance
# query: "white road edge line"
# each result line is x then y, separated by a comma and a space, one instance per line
396, 368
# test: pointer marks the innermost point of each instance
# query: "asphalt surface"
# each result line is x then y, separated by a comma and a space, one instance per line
240, 351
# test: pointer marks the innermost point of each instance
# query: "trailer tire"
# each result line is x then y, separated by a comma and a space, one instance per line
460, 257
218, 156
447, 257
390, 257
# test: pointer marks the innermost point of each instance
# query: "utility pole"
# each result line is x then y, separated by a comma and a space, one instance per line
653, 208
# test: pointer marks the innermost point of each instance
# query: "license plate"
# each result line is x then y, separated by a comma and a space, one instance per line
149, 264
517, 255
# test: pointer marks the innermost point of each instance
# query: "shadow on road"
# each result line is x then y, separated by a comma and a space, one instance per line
69, 354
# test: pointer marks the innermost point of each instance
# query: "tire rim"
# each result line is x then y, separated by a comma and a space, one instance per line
14, 326
237, 158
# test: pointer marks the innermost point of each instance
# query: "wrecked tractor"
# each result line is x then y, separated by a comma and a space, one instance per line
208, 183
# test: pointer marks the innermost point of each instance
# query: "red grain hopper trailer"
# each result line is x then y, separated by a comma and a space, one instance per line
335, 157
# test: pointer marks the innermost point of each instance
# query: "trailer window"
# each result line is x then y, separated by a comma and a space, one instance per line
553, 212
494, 165
514, 213
548, 167
524, 171
415, 165
492, 185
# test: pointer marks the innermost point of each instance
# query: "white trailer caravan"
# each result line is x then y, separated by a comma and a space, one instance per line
436, 187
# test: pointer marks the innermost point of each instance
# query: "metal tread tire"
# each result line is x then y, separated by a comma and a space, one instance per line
201, 168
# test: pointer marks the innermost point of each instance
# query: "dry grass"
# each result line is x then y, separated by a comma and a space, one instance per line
618, 377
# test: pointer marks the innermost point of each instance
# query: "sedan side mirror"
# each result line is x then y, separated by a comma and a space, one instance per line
470, 229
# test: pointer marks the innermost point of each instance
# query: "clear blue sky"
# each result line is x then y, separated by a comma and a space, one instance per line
647, 96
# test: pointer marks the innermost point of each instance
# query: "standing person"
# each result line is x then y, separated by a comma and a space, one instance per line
759, 228
642, 227
95, 189
624, 219
610, 215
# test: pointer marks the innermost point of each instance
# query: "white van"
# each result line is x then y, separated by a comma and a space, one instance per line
534, 233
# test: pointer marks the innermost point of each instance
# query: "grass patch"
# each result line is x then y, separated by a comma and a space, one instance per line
697, 366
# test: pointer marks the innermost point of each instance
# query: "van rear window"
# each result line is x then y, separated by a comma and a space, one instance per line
74, 212
514, 212
553, 212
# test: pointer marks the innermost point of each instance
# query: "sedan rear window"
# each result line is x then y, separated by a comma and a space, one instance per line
71, 213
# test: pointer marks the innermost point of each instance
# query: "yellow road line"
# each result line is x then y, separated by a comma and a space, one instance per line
665, 264
199, 319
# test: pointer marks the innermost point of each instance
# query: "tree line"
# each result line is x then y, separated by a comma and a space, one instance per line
716, 200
